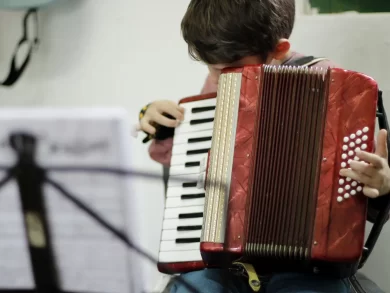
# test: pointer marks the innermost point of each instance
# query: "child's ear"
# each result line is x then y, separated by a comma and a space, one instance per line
281, 49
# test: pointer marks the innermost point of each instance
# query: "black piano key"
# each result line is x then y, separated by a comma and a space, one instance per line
187, 240
191, 216
189, 228
200, 121
192, 164
193, 196
190, 184
199, 139
202, 109
196, 152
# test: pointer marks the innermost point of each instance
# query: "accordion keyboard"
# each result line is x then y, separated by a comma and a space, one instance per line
184, 206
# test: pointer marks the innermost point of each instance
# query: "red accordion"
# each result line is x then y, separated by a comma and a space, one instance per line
255, 172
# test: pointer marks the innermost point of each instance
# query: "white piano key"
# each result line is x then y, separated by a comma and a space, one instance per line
203, 164
175, 202
184, 148
174, 223
180, 159
196, 104
183, 170
179, 256
201, 180
184, 137
173, 246
174, 234
195, 116
173, 213
176, 191
180, 179
187, 127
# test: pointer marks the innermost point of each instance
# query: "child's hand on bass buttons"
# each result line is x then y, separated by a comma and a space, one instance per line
372, 169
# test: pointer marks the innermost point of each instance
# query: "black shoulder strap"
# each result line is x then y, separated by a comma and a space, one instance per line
15, 72
305, 61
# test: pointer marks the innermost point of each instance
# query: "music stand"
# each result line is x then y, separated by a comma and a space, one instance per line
69, 242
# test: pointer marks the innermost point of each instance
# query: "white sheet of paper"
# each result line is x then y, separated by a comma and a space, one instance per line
89, 258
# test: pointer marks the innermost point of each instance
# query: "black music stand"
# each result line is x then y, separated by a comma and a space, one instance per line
30, 178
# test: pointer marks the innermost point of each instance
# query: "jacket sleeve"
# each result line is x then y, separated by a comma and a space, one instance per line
161, 150
374, 206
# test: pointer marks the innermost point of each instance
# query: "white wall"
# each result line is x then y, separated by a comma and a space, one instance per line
128, 53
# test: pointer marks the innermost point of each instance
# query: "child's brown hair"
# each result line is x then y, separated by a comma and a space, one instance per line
224, 31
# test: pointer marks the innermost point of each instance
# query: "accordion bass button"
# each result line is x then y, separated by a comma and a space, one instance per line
339, 199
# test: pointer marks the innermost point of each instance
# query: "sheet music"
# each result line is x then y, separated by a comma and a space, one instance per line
89, 258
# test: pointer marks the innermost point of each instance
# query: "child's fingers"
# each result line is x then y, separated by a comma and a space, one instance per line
359, 177
370, 192
173, 110
162, 120
145, 126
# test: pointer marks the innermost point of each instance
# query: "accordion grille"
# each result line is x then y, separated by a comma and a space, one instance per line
287, 160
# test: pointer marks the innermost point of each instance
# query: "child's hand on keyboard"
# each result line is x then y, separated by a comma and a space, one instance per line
155, 114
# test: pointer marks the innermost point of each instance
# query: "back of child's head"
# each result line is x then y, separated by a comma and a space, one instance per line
224, 31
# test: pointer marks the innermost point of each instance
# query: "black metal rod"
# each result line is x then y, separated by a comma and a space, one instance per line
29, 178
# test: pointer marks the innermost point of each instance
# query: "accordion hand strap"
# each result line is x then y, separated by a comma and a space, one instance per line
253, 279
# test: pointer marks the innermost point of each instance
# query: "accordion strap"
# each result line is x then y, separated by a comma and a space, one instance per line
305, 61
248, 271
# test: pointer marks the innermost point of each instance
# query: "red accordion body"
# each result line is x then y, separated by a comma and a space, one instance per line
286, 207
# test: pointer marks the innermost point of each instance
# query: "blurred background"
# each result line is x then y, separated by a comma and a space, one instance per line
129, 52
